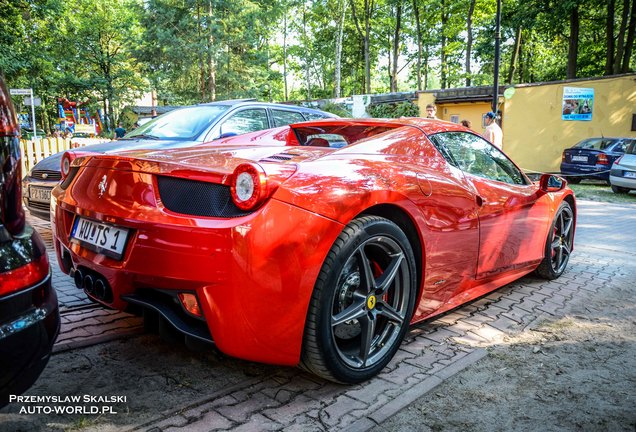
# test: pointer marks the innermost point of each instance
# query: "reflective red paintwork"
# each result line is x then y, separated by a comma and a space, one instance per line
254, 274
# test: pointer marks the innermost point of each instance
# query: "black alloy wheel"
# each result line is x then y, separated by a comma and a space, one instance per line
362, 302
559, 244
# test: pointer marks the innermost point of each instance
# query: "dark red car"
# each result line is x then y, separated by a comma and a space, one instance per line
315, 244
29, 313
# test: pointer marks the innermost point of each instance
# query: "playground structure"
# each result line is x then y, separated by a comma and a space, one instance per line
76, 119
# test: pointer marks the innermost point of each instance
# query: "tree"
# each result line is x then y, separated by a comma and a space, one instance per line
368, 10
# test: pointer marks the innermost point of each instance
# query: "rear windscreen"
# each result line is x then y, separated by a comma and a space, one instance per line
596, 144
337, 136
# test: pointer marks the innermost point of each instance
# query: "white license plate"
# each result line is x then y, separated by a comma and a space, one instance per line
630, 174
39, 194
106, 239
579, 158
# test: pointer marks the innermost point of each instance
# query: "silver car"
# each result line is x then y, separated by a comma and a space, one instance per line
623, 173
183, 127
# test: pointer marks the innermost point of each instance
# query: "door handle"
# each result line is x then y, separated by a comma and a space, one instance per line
480, 201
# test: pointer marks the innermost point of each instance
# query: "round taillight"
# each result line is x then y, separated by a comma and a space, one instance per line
248, 187
66, 164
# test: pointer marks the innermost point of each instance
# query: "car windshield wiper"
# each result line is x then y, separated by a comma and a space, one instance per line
146, 136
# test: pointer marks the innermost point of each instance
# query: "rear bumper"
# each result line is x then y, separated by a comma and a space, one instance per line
253, 275
29, 324
586, 171
624, 182
38, 209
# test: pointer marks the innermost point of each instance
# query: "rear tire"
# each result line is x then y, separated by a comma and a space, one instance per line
619, 190
574, 180
362, 302
558, 244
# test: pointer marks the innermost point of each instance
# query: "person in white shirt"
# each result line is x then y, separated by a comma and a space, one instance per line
493, 132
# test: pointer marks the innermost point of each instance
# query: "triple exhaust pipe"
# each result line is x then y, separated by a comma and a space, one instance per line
94, 284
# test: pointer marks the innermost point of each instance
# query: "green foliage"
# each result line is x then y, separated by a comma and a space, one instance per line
107, 52
337, 109
393, 110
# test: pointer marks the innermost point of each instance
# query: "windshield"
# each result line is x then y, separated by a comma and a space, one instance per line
184, 123
596, 143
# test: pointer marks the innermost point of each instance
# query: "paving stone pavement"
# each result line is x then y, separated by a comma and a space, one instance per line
431, 353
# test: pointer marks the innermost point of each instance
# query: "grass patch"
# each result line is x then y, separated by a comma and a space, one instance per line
599, 191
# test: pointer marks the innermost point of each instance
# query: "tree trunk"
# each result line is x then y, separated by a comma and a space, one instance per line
515, 56
338, 73
285, 55
367, 43
211, 66
629, 43
469, 40
426, 58
365, 36
574, 43
396, 47
444, 66
520, 61
106, 123
418, 30
620, 44
609, 58
307, 65
110, 95
200, 56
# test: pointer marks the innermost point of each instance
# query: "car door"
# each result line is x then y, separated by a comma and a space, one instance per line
512, 219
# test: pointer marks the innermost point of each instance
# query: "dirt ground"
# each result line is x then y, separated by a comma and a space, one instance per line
576, 373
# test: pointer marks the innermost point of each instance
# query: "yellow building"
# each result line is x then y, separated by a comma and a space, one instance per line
532, 119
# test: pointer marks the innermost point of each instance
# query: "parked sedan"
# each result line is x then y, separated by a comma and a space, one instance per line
592, 158
319, 253
178, 128
29, 314
623, 173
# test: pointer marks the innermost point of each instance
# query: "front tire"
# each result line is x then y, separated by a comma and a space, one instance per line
558, 244
362, 302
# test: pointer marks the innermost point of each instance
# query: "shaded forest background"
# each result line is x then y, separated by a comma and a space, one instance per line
189, 51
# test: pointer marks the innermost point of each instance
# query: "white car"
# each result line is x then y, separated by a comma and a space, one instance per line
623, 173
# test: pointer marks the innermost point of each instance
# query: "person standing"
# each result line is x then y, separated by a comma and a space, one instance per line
431, 110
493, 132
119, 131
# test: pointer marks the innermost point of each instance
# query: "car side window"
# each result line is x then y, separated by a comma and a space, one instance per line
314, 116
283, 118
619, 148
478, 157
249, 120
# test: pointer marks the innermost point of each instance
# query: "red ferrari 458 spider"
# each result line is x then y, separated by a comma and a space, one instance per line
316, 244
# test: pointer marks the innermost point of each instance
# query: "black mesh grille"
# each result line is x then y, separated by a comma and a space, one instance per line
46, 175
197, 198
278, 157
39, 205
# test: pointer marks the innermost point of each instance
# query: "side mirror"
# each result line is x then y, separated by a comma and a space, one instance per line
551, 183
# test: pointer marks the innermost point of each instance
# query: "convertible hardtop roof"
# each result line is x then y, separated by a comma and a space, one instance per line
428, 126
